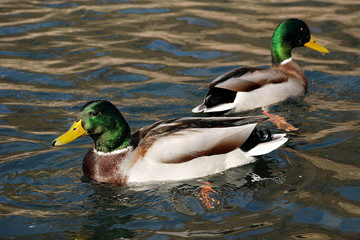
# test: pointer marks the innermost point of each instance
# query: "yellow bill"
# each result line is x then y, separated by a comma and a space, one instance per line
312, 44
73, 133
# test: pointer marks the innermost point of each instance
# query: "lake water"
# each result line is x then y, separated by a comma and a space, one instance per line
151, 58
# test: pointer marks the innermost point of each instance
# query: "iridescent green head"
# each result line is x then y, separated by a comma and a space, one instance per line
290, 34
104, 123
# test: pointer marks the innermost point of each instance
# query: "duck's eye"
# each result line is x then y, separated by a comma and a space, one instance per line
94, 113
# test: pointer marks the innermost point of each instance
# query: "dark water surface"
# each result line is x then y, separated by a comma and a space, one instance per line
150, 58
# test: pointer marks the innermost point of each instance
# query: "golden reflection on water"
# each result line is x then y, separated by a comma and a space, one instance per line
343, 171
69, 42
247, 29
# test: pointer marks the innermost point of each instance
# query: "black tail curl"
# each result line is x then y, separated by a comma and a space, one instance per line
257, 136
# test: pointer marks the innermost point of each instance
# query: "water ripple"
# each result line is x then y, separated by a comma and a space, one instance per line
150, 58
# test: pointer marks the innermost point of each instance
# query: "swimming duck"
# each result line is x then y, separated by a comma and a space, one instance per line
168, 150
248, 88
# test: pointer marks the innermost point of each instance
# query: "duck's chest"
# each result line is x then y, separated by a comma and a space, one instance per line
104, 167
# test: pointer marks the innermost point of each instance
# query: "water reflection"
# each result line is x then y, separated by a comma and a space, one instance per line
151, 58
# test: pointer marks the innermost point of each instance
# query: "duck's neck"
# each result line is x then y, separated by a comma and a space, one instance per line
280, 49
111, 142
113, 139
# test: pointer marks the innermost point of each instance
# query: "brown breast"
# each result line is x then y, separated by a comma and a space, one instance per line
292, 69
106, 168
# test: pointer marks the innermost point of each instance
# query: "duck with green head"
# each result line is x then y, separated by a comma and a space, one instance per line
169, 150
248, 88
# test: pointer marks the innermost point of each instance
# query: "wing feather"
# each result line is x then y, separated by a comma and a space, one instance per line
250, 80
188, 144
183, 139
223, 90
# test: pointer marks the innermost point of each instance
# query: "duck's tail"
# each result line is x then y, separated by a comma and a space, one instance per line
199, 109
261, 142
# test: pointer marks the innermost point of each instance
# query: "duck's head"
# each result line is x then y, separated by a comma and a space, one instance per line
290, 34
103, 122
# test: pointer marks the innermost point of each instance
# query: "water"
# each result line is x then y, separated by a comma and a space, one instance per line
151, 58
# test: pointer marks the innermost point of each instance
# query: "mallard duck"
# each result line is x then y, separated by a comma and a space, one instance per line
248, 88
175, 149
